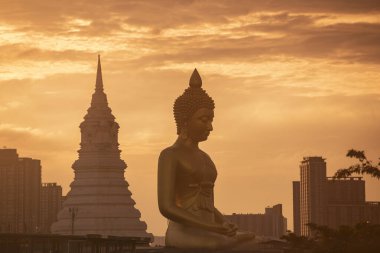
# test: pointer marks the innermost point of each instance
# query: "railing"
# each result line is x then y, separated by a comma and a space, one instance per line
344, 178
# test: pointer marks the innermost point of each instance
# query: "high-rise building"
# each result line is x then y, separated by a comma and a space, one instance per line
99, 201
271, 224
296, 207
20, 183
346, 203
312, 192
329, 201
51, 204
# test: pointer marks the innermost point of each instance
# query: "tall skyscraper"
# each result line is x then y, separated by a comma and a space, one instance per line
312, 192
99, 201
51, 204
20, 182
329, 201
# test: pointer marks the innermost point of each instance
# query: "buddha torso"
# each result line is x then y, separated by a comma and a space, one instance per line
195, 177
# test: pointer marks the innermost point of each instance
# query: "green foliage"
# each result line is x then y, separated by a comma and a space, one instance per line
364, 237
298, 242
363, 167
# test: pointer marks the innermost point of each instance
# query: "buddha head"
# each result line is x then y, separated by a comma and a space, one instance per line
194, 111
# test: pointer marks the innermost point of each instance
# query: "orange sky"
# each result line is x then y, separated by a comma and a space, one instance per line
289, 79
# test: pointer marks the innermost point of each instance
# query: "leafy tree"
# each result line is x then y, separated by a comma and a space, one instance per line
364, 237
363, 167
298, 242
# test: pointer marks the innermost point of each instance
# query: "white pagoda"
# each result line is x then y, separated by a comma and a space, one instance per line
99, 201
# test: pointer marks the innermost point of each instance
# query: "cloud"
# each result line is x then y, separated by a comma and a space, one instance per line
38, 70
27, 52
162, 13
22, 130
281, 34
137, 34
37, 139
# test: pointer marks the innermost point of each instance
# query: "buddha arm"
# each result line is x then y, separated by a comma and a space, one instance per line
166, 196
219, 218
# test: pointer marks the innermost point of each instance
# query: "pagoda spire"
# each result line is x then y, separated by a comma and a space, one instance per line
99, 78
99, 104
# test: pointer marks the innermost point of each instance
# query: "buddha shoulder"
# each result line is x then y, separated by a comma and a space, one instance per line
173, 153
177, 157
169, 155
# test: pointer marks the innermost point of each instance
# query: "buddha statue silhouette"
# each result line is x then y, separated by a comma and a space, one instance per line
186, 177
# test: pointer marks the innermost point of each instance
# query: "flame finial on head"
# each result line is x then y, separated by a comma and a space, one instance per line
195, 79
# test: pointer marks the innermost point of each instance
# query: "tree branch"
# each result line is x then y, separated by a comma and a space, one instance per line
364, 167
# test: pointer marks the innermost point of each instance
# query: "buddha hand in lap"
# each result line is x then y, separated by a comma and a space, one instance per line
186, 177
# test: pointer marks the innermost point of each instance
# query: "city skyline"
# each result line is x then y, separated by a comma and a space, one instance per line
275, 103
329, 201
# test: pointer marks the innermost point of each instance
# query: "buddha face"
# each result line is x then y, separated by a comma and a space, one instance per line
200, 124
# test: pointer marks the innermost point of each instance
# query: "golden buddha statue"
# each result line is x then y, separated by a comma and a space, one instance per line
186, 177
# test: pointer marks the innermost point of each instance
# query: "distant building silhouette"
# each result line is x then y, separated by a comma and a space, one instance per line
296, 207
51, 204
20, 185
329, 201
272, 223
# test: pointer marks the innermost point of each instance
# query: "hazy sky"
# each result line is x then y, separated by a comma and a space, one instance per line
289, 79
